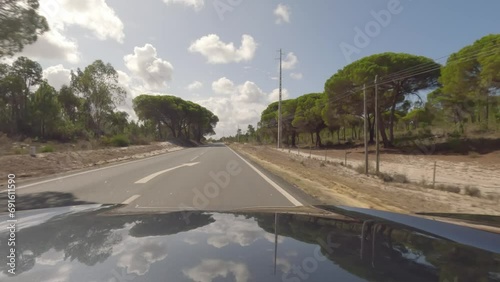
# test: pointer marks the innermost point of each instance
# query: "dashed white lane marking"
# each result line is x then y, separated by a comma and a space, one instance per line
131, 199
151, 176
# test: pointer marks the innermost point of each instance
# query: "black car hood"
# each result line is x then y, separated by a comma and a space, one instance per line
98, 243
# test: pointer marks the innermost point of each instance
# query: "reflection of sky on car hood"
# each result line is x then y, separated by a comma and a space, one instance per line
210, 269
229, 228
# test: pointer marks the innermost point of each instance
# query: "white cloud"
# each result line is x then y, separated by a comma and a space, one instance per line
127, 83
93, 15
53, 45
218, 52
210, 269
223, 86
296, 75
282, 12
238, 105
145, 64
57, 76
275, 94
249, 92
195, 4
195, 85
290, 61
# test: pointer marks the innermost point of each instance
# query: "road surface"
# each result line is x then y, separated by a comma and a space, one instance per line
204, 178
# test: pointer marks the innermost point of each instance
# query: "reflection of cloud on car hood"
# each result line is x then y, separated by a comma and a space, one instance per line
284, 265
229, 228
190, 241
47, 274
52, 257
210, 269
136, 255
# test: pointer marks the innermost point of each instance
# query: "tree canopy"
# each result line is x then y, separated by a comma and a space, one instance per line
470, 78
345, 93
21, 25
183, 118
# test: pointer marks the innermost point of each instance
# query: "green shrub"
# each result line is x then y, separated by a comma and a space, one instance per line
424, 133
360, 169
385, 177
448, 188
139, 139
400, 178
455, 134
472, 191
47, 149
19, 151
119, 141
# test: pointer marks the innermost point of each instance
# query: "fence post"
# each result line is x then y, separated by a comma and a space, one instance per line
33, 151
434, 176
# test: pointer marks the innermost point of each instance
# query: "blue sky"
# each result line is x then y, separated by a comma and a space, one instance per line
163, 46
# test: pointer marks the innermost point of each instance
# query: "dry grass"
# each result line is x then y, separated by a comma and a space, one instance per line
472, 191
336, 184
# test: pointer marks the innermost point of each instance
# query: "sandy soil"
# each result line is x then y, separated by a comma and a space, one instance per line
333, 183
25, 166
480, 171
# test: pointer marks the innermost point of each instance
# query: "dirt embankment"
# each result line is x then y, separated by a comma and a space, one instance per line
475, 170
26, 166
332, 183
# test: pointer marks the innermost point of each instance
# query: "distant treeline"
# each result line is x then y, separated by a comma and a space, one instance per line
465, 92
87, 108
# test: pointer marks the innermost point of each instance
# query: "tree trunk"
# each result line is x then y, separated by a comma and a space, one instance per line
293, 139
338, 136
393, 110
159, 130
391, 120
381, 124
371, 128
312, 137
318, 139
345, 138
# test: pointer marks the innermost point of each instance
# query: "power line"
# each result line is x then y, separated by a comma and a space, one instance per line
416, 72
430, 64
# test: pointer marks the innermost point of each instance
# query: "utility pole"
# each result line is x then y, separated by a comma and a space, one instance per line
377, 128
238, 132
366, 129
279, 102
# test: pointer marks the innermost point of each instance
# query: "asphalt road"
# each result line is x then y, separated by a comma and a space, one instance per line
204, 178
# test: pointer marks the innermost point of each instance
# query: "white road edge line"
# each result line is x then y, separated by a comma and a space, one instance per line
130, 200
193, 159
87, 171
151, 176
276, 186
